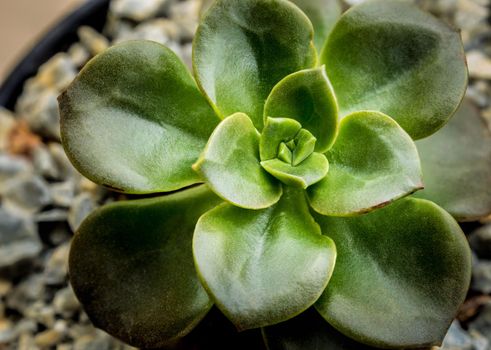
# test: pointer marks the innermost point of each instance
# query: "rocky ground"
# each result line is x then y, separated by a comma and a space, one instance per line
43, 199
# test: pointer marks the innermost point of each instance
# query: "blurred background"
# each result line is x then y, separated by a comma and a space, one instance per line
21, 23
43, 199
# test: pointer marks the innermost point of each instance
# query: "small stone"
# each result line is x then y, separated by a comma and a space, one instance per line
481, 274
7, 331
480, 241
457, 338
10, 167
55, 272
7, 123
64, 346
26, 194
57, 73
66, 303
92, 40
5, 287
26, 293
138, 10
41, 313
479, 65
482, 323
82, 206
48, 338
479, 92
43, 115
78, 54
26, 342
22, 141
159, 30
19, 242
65, 168
63, 193
187, 55
44, 163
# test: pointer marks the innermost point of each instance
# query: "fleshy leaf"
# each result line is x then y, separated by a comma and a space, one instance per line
308, 331
263, 266
135, 121
392, 57
401, 274
230, 165
307, 96
323, 14
243, 48
456, 165
310, 171
304, 146
373, 162
131, 266
276, 131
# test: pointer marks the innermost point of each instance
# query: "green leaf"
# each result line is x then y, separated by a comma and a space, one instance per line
230, 165
243, 48
308, 331
304, 146
276, 131
307, 96
263, 266
392, 57
373, 162
456, 165
131, 266
310, 171
401, 274
323, 14
134, 120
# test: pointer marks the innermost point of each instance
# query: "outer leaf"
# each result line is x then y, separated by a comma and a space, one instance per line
307, 96
131, 266
323, 14
134, 119
230, 165
243, 48
401, 274
308, 331
457, 166
263, 266
392, 57
372, 163
312, 170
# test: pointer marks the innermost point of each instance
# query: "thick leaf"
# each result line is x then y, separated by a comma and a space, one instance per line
262, 267
230, 164
135, 121
456, 165
308, 331
373, 162
323, 14
243, 48
392, 57
307, 96
310, 171
401, 274
131, 266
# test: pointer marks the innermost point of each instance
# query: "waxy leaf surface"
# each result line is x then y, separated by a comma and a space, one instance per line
135, 121
243, 48
131, 266
373, 162
276, 131
265, 266
307, 97
230, 164
310, 171
323, 14
456, 165
392, 57
401, 274
308, 331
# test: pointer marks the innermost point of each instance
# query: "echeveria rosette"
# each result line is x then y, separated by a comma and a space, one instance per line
289, 160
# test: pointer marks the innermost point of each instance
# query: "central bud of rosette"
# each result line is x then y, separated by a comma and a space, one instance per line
287, 153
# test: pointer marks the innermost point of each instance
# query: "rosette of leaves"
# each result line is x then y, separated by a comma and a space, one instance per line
293, 152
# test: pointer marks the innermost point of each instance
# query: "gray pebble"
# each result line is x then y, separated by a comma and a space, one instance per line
66, 303
138, 10
19, 241
55, 272
93, 41
481, 276
82, 206
482, 323
480, 241
26, 194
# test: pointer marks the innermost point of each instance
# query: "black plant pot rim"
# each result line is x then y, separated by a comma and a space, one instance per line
59, 38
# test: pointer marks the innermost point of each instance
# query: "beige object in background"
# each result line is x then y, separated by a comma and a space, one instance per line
22, 22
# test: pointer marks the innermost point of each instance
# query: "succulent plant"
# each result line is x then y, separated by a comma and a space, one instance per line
294, 161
